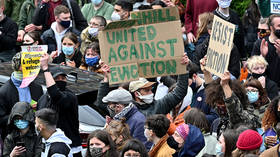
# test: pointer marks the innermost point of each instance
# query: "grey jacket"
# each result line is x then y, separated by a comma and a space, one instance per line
161, 106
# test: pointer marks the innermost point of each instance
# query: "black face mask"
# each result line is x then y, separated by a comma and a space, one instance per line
61, 85
256, 76
172, 143
277, 33
27, 44
278, 114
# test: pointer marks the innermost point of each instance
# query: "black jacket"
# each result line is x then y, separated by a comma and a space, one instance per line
77, 58
233, 66
9, 96
41, 16
8, 37
250, 30
48, 38
32, 143
238, 39
272, 59
66, 104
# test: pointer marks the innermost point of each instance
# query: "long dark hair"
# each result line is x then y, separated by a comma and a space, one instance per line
252, 15
135, 145
197, 118
106, 139
230, 137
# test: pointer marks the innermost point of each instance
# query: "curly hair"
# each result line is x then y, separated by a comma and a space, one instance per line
159, 124
214, 92
269, 118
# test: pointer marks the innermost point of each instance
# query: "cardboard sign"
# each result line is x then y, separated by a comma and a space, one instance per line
275, 6
220, 45
142, 47
30, 62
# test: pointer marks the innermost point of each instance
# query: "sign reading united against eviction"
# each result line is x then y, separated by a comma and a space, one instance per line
30, 62
220, 45
148, 45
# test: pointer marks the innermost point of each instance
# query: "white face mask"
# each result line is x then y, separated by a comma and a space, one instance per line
146, 134
146, 98
224, 3
115, 16
93, 31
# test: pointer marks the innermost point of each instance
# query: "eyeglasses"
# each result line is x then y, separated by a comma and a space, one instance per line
94, 24
252, 90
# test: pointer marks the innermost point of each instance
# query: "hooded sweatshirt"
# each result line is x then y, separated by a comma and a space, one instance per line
57, 144
194, 143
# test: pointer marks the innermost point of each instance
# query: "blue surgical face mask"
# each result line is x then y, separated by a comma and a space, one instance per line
219, 149
92, 61
224, 3
96, 2
21, 124
93, 31
253, 96
68, 51
115, 16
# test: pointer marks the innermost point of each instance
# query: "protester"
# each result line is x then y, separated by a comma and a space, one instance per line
100, 144
144, 98
119, 104
198, 97
122, 10
193, 9
187, 141
250, 22
97, 8
257, 66
197, 118
270, 120
62, 25
22, 139
56, 143
229, 99
227, 14
156, 127
90, 60
44, 16
8, 35
32, 38
90, 34
248, 142
257, 97
134, 148
234, 60
10, 93
63, 101
119, 132
269, 48
71, 55
263, 29
25, 16
202, 31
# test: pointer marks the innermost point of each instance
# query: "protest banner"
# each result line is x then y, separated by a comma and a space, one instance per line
220, 45
275, 6
30, 62
150, 44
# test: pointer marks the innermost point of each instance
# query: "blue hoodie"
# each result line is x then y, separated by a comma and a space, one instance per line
194, 143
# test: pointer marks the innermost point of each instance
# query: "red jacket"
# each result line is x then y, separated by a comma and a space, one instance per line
193, 9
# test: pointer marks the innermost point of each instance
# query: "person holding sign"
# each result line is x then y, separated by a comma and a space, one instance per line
229, 99
70, 56
10, 92
144, 98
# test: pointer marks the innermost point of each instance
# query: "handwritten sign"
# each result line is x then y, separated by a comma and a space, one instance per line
148, 45
220, 45
30, 62
275, 6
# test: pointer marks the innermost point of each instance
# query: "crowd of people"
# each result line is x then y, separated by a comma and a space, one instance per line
187, 115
